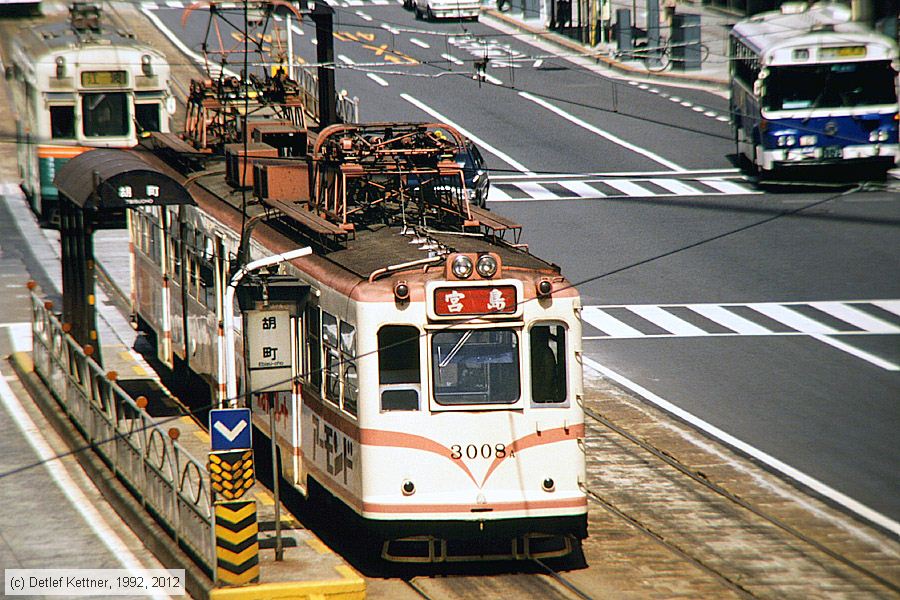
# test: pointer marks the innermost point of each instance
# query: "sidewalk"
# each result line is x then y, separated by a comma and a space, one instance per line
714, 27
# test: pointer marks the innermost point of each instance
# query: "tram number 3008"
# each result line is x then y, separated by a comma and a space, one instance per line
484, 451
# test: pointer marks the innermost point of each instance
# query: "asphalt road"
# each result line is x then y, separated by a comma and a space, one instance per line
817, 393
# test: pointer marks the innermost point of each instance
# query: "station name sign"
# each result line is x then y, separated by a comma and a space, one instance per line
471, 300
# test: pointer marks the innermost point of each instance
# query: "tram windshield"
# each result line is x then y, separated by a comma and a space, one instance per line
105, 114
475, 366
833, 85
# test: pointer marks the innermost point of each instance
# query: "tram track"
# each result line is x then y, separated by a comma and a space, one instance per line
716, 530
548, 584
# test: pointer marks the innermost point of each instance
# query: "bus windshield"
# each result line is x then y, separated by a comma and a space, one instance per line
475, 366
833, 85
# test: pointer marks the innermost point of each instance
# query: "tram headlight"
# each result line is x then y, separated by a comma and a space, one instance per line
60, 67
147, 65
462, 267
486, 266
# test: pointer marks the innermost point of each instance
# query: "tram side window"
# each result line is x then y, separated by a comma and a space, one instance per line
349, 373
314, 345
548, 363
147, 116
332, 358
62, 122
398, 363
105, 114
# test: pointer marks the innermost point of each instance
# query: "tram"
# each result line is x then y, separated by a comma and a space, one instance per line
82, 84
811, 87
435, 384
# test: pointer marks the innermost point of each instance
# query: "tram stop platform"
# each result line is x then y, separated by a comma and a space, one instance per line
309, 569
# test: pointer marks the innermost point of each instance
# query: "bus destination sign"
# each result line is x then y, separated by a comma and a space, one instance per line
842, 52
481, 300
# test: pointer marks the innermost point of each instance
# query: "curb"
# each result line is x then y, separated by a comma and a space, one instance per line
569, 44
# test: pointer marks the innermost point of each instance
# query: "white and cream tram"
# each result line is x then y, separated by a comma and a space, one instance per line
436, 367
81, 84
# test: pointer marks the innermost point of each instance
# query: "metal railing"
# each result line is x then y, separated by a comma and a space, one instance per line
170, 483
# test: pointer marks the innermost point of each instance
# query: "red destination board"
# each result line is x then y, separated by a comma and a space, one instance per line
498, 299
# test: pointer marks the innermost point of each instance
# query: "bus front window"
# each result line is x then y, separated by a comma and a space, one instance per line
105, 114
832, 85
475, 366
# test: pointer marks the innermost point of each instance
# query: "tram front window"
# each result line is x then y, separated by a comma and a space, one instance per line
105, 114
475, 366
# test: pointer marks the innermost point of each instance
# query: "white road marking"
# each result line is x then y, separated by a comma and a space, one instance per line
536, 190
390, 29
856, 317
677, 187
667, 320
491, 79
609, 324
452, 59
377, 79
629, 188
726, 187
892, 306
791, 318
363, 15
862, 354
481, 143
767, 459
581, 189
596, 130
66, 484
726, 318
346, 59
418, 43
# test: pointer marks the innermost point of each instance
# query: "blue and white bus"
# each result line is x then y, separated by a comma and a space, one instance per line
811, 87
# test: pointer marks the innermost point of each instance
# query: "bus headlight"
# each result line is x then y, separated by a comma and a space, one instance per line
786, 140
879, 135
462, 267
808, 140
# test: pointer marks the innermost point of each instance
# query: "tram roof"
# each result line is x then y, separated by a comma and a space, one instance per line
60, 36
822, 22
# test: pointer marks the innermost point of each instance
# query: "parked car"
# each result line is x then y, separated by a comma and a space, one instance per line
445, 9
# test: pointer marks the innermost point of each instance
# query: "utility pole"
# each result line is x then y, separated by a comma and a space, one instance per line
323, 17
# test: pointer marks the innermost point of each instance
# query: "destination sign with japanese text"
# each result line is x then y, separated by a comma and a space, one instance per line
498, 299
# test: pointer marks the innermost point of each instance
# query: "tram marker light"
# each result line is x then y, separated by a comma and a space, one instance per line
544, 288
548, 485
408, 487
401, 291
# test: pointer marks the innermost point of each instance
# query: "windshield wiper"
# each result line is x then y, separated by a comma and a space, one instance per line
455, 349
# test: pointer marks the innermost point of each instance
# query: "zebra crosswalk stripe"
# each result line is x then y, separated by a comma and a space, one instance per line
791, 318
511, 189
855, 317
849, 318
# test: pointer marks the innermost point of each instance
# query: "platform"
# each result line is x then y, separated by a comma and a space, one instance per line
309, 569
